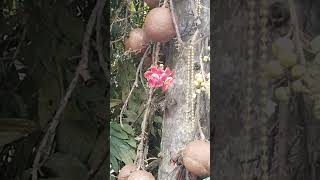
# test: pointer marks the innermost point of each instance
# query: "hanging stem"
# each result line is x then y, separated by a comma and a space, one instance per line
295, 23
135, 84
141, 150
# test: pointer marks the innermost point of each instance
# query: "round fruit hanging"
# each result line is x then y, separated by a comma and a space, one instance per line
137, 41
159, 26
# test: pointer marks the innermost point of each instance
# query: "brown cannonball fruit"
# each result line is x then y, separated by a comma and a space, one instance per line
152, 3
196, 158
126, 171
159, 26
141, 175
137, 41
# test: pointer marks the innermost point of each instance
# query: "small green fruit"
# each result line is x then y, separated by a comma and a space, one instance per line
281, 45
298, 71
274, 69
287, 60
298, 87
282, 93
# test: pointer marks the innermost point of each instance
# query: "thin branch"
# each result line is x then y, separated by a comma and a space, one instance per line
47, 141
144, 124
202, 136
295, 23
141, 80
175, 23
165, 3
135, 84
99, 43
140, 150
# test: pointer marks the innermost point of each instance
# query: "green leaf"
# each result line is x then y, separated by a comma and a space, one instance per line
115, 102
132, 142
127, 128
116, 126
120, 135
131, 115
114, 163
132, 154
125, 157
115, 151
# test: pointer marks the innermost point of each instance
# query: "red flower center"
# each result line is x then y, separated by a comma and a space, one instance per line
158, 77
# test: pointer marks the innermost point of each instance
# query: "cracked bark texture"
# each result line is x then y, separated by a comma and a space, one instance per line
177, 130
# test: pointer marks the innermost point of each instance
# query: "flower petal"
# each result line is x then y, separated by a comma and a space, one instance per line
147, 74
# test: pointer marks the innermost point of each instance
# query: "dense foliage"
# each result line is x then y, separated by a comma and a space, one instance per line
40, 45
123, 141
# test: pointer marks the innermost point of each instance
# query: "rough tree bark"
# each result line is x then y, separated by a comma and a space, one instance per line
177, 130
230, 32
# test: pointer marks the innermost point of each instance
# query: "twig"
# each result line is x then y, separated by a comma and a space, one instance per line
165, 2
135, 84
202, 136
175, 23
48, 138
99, 45
83, 65
156, 59
141, 79
201, 64
295, 23
140, 150
117, 40
144, 124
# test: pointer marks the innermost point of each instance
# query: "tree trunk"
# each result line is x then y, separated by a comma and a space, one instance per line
229, 45
177, 130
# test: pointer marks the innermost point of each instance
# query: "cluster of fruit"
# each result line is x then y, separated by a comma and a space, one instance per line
158, 27
286, 69
195, 157
202, 83
293, 77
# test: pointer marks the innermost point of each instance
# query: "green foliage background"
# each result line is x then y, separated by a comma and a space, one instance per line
123, 142
40, 48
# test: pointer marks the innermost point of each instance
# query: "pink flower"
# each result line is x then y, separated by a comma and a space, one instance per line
157, 77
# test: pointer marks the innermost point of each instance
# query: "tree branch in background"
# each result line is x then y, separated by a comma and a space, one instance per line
82, 69
99, 43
